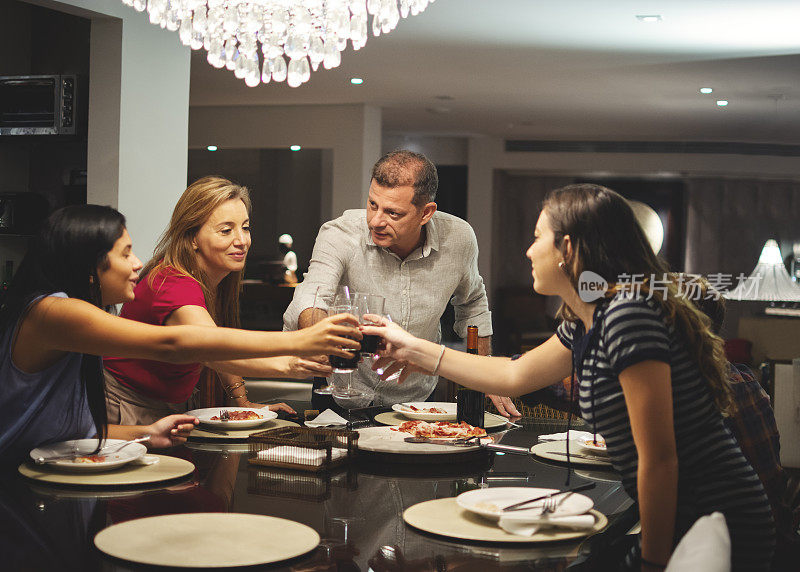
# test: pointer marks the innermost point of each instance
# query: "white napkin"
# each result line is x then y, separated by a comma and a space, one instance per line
530, 525
573, 436
300, 455
326, 418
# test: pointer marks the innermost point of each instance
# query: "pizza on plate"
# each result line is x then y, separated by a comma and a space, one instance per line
240, 416
440, 429
426, 409
90, 459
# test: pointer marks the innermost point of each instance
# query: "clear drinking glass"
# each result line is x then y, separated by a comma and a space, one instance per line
338, 363
369, 305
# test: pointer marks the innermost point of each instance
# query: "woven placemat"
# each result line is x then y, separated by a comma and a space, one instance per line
207, 540
166, 469
557, 451
445, 518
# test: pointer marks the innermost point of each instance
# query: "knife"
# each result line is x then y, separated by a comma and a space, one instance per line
579, 456
454, 442
213, 430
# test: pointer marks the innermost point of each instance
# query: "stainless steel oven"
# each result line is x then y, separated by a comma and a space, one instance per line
37, 105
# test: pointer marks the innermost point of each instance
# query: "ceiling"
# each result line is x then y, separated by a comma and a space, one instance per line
566, 70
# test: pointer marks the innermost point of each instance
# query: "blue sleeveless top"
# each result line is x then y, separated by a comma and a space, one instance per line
43, 407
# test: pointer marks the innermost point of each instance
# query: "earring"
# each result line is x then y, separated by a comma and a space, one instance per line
561, 265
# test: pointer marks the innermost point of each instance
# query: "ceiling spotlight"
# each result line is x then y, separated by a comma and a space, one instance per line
649, 18
294, 147
356, 80
706, 90
212, 148
722, 102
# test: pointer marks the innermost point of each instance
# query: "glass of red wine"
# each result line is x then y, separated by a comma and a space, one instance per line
370, 309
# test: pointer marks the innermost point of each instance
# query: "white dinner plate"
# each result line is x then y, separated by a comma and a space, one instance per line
588, 447
86, 447
205, 415
424, 413
489, 502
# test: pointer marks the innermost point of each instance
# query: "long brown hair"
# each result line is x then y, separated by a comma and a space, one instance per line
607, 240
174, 249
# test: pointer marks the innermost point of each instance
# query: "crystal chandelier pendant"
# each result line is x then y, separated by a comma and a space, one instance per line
276, 40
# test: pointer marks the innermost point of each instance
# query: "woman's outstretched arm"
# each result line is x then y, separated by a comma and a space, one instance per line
57, 325
540, 367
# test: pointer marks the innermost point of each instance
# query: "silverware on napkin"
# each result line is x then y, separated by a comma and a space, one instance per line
521, 505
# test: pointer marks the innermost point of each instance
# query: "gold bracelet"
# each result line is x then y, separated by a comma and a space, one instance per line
229, 389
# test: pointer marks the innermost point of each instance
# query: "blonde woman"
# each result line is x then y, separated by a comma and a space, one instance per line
194, 278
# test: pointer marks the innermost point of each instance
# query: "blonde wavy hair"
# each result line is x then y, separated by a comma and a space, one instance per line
607, 240
175, 251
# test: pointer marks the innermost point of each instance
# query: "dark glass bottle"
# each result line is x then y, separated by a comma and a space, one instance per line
470, 403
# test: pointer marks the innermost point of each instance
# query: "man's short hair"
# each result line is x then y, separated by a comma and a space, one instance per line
402, 168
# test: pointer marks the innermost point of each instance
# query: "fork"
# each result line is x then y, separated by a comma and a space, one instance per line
549, 505
104, 451
223, 415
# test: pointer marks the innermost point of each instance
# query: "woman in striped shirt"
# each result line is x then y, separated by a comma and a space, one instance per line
651, 374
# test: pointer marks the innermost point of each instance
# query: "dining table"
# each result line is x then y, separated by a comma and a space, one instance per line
356, 508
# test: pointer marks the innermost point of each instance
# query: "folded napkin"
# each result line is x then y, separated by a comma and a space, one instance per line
530, 525
573, 436
300, 455
327, 418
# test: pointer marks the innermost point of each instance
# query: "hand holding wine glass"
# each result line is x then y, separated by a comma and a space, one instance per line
400, 351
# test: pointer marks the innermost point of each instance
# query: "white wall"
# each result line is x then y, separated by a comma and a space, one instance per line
351, 132
138, 116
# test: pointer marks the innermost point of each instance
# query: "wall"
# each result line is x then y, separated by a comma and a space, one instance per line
351, 132
486, 155
138, 115
284, 190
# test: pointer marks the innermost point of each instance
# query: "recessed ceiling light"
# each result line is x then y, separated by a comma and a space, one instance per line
294, 147
212, 148
706, 90
356, 80
649, 18
722, 102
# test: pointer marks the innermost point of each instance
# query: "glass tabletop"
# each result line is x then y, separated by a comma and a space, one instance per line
357, 510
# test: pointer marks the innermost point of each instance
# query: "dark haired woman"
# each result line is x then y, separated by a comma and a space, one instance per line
53, 327
651, 376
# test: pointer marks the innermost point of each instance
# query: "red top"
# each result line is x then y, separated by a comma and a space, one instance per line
169, 382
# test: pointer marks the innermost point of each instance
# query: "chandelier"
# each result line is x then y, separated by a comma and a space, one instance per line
255, 38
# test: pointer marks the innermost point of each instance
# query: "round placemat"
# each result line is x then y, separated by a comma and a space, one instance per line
166, 469
491, 421
445, 518
557, 451
201, 433
207, 540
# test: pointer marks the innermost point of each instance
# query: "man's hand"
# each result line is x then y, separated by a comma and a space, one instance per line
505, 406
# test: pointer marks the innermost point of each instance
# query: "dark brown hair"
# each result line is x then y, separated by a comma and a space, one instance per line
607, 239
401, 168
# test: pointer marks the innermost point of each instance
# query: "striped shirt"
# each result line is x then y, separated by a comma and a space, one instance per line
713, 474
